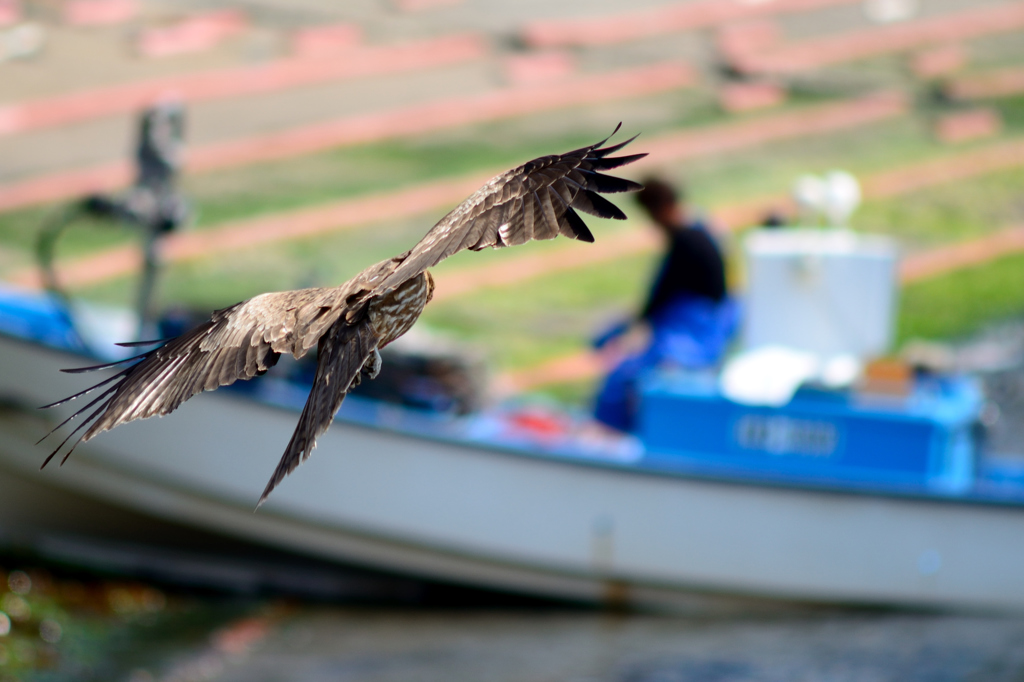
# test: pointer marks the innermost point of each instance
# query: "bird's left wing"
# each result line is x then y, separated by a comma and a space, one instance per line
236, 343
537, 200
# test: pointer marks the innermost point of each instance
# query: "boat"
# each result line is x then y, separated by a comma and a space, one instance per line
846, 497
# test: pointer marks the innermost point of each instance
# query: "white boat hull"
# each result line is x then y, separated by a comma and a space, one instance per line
461, 512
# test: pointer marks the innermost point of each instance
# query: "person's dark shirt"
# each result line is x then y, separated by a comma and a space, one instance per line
693, 265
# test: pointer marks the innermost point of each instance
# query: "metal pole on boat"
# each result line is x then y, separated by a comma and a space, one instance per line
152, 205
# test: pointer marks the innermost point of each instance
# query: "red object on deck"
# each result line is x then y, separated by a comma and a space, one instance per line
538, 423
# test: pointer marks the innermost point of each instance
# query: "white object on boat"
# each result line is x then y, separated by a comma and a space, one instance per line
827, 292
834, 197
767, 376
809, 195
840, 371
842, 197
771, 375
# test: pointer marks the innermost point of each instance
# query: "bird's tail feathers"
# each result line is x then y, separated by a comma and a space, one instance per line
342, 353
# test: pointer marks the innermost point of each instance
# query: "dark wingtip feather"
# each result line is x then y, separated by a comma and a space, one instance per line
605, 151
608, 184
615, 162
596, 205
68, 437
105, 365
102, 399
81, 393
578, 229
617, 127
47, 460
589, 149
595, 146
134, 344
58, 448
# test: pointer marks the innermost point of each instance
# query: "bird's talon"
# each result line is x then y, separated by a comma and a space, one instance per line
373, 369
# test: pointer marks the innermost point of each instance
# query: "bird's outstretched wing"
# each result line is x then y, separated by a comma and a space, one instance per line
537, 200
239, 342
342, 352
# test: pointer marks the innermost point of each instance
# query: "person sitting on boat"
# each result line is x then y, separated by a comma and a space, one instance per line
688, 311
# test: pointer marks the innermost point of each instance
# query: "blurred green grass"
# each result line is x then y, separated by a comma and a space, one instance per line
949, 212
963, 301
1011, 110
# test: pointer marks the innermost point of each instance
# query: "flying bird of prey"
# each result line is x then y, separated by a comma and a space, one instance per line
349, 324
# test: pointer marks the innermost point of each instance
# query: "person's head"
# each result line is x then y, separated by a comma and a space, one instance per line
664, 203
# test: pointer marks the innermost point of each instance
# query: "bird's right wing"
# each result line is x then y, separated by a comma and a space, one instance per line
239, 342
341, 355
537, 200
